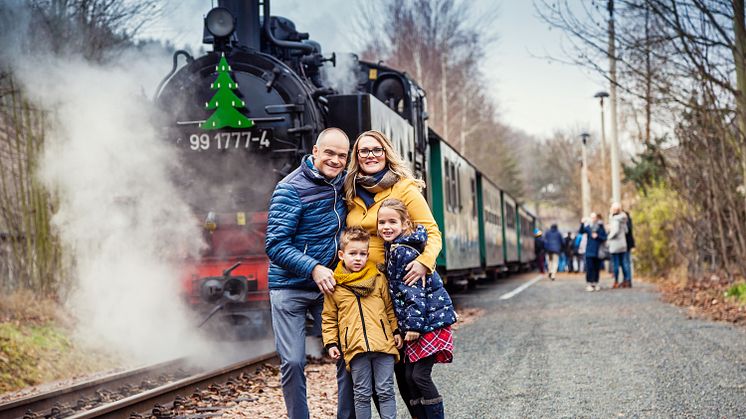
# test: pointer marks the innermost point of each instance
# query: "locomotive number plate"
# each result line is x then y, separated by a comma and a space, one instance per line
259, 139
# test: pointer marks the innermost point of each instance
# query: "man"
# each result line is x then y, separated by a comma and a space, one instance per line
553, 247
306, 215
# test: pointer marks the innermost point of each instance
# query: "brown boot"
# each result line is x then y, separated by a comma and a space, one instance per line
627, 284
616, 285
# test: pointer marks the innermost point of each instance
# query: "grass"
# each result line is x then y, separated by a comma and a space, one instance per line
36, 345
737, 292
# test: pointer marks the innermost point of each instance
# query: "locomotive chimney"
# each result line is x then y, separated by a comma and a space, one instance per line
246, 12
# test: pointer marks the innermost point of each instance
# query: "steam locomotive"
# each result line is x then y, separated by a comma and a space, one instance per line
242, 116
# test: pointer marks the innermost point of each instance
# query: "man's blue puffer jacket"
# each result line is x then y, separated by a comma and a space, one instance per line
306, 215
417, 309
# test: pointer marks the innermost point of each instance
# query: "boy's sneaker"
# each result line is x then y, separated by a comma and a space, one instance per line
589, 288
597, 287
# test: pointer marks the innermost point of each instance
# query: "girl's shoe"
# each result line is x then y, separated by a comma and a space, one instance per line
433, 408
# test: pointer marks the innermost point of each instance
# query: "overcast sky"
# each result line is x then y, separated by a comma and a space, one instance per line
533, 94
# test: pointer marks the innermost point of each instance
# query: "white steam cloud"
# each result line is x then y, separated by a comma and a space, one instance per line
343, 76
125, 223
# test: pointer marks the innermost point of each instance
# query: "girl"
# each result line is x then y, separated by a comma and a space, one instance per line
424, 310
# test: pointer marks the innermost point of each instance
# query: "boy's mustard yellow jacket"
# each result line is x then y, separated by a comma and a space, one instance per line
359, 316
406, 191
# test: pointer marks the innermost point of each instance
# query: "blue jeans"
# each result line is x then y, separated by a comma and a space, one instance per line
369, 369
562, 263
621, 259
289, 309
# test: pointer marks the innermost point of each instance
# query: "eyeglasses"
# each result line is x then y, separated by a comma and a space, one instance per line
366, 152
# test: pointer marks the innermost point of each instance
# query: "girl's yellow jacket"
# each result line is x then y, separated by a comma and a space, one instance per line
359, 316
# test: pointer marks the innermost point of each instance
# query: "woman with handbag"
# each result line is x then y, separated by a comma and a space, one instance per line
593, 250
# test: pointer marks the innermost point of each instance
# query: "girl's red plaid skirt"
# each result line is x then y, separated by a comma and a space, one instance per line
439, 342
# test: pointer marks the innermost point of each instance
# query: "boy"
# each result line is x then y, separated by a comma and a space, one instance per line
358, 320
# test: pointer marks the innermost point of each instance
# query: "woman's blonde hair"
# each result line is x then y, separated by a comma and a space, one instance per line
394, 162
401, 209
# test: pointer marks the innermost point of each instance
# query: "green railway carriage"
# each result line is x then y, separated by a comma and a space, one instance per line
453, 194
510, 231
526, 236
489, 202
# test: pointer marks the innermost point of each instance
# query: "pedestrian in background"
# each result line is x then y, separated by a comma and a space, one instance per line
596, 237
581, 242
553, 247
569, 252
617, 242
630, 245
539, 250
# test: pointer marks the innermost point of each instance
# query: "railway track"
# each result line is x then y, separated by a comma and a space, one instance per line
131, 394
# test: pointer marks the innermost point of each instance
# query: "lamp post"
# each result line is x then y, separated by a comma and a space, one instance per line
604, 190
585, 185
616, 187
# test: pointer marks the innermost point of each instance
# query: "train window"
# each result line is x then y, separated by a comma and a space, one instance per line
447, 184
473, 198
457, 187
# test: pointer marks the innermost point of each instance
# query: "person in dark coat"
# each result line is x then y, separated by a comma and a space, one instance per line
553, 247
568, 249
630, 245
596, 237
539, 250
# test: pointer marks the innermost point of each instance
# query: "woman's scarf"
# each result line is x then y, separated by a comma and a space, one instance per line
369, 186
361, 283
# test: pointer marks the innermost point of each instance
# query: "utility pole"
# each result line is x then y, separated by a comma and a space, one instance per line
585, 184
616, 188
604, 169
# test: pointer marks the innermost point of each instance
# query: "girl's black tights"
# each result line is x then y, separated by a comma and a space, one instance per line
419, 379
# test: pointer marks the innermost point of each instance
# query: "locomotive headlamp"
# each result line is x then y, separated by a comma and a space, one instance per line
220, 22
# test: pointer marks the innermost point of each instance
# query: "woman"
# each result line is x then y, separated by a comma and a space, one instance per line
376, 172
596, 237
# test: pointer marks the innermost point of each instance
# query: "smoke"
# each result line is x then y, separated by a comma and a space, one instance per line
125, 224
344, 75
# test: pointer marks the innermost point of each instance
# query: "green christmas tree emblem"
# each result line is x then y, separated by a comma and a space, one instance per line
225, 102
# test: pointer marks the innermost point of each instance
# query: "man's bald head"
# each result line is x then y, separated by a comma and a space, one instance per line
330, 152
616, 208
332, 134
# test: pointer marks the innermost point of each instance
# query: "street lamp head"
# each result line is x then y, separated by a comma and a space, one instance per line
584, 136
601, 95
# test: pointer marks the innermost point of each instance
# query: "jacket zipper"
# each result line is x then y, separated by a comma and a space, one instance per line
346, 345
339, 219
384, 330
362, 319
305, 249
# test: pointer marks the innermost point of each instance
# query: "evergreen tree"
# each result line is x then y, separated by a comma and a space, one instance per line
225, 102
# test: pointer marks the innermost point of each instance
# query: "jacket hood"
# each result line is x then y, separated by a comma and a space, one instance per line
417, 239
312, 172
360, 283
